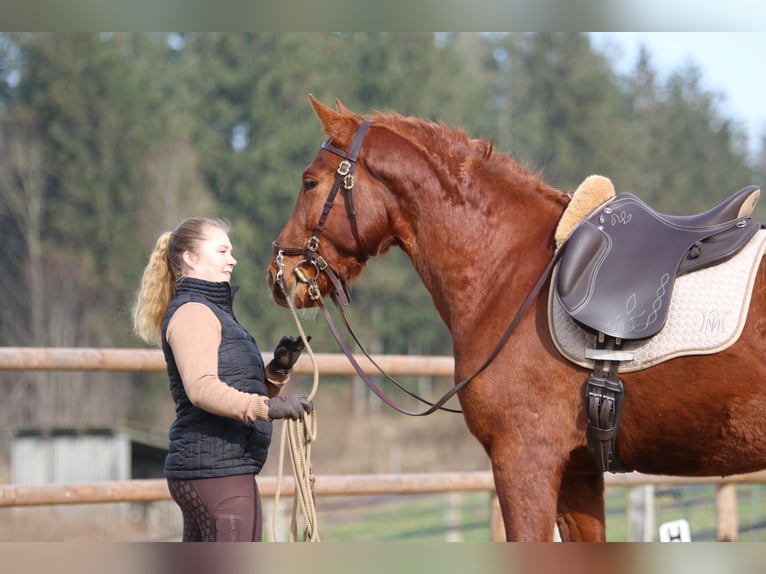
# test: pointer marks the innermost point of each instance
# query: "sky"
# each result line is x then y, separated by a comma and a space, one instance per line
732, 64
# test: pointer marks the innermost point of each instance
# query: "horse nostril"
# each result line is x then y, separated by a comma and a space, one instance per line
270, 279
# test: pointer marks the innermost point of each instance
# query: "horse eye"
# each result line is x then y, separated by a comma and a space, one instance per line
309, 184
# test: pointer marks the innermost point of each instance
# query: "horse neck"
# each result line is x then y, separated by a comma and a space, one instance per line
480, 256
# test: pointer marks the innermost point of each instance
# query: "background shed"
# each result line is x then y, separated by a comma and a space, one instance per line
67, 455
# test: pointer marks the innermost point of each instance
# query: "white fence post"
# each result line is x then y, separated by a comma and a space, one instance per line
641, 514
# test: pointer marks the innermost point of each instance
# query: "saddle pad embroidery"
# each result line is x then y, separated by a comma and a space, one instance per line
707, 314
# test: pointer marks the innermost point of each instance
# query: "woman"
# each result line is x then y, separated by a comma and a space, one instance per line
225, 399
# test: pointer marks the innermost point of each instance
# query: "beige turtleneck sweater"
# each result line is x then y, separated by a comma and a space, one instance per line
194, 335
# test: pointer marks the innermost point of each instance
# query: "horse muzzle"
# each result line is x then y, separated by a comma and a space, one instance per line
277, 293
301, 283
303, 279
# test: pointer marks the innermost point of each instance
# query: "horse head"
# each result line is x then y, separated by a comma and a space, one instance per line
340, 218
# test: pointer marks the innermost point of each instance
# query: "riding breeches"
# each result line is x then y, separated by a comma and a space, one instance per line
226, 509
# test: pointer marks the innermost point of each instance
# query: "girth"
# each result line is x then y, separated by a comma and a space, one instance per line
603, 402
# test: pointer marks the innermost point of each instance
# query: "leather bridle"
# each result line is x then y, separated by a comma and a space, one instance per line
344, 178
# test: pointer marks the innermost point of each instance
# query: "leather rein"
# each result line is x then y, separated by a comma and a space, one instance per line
344, 179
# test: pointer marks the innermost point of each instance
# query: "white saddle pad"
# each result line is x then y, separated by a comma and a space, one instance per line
708, 310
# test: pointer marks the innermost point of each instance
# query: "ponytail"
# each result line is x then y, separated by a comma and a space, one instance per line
155, 294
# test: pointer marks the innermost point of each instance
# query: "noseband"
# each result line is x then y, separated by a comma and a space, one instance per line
344, 178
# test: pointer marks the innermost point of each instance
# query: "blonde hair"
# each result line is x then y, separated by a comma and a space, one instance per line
164, 269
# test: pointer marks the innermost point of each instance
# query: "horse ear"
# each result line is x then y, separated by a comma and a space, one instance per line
339, 128
343, 109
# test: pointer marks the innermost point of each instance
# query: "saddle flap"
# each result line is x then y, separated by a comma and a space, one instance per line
586, 249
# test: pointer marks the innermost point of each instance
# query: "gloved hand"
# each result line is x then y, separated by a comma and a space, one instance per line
286, 354
290, 407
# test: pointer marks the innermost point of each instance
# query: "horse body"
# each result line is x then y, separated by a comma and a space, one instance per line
478, 229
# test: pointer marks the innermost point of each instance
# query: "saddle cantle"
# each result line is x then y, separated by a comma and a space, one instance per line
619, 266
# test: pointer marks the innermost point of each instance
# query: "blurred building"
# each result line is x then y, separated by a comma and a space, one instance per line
66, 455
74, 456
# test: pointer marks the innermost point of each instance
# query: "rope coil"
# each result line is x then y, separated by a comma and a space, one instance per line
297, 437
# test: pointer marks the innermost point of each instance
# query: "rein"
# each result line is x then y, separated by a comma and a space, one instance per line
438, 405
339, 294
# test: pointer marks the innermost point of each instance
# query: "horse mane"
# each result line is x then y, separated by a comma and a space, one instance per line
466, 158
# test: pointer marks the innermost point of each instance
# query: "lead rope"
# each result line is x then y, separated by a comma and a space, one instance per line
297, 437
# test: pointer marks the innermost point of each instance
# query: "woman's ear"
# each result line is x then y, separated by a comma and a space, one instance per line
189, 259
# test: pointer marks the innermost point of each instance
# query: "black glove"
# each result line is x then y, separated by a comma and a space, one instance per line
286, 354
290, 407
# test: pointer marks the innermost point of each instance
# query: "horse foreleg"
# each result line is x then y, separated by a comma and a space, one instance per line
527, 499
580, 513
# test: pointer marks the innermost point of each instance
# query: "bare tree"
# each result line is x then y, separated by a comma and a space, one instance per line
22, 176
173, 186
45, 304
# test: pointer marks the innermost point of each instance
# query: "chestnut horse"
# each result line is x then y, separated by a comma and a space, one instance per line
479, 229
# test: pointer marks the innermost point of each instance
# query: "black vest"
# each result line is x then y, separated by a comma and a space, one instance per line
204, 445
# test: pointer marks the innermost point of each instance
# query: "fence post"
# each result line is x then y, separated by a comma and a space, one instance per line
452, 517
641, 514
726, 502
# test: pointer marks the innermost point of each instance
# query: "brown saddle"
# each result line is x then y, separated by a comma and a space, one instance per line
619, 265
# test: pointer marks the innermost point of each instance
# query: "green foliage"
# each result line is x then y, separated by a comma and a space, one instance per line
687, 155
138, 130
562, 106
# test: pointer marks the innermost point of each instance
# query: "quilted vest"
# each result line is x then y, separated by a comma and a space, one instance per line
204, 445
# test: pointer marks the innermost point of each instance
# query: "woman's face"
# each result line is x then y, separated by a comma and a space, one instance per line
213, 260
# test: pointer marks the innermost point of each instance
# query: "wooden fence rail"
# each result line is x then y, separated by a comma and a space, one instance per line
154, 489
93, 359
151, 490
